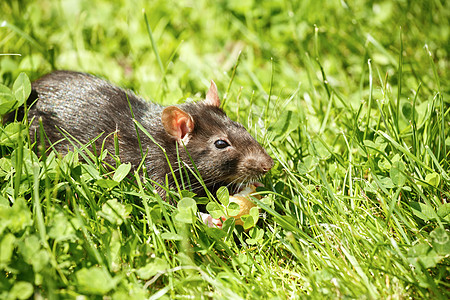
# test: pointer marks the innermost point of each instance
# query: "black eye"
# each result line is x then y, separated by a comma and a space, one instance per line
221, 144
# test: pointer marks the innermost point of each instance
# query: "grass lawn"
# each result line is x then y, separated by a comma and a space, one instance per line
350, 98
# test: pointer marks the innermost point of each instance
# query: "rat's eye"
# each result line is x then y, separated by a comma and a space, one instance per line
221, 144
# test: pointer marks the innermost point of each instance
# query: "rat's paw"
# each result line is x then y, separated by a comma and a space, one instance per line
210, 221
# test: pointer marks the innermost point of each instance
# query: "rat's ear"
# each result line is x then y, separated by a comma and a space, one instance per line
212, 97
177, 123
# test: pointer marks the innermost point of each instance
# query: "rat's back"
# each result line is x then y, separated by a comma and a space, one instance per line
83, 105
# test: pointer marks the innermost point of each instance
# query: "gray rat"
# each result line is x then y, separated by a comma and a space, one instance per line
86, 106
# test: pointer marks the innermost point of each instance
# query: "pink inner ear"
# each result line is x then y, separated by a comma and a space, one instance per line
212, 97
184, 126
177, 122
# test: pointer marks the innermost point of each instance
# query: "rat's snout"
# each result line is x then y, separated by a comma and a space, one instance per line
259, 164
267, 164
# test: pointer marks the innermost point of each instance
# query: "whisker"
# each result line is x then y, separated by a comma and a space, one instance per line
187, 177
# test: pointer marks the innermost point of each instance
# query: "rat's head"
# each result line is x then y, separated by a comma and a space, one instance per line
223, 151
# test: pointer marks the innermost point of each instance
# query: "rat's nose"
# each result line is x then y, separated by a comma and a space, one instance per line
258, 164
267, 164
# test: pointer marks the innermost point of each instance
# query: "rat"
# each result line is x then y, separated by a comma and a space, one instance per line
85, 106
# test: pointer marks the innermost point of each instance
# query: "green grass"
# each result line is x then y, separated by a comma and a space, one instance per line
351, 99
